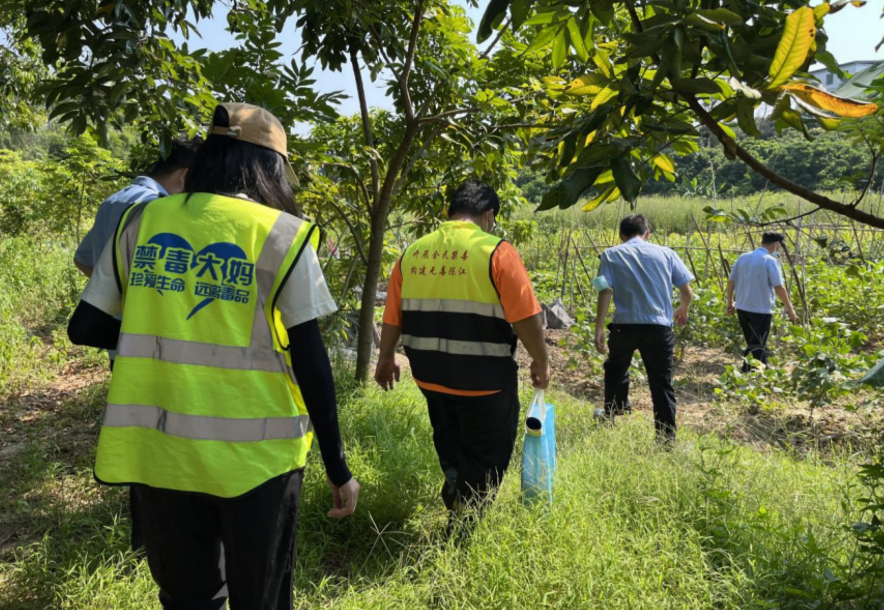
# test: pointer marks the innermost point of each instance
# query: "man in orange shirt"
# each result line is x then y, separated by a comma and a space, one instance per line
460, 299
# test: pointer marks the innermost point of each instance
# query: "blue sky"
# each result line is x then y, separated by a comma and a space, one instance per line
853, 34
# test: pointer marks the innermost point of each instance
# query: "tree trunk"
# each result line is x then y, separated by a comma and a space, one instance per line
364, 345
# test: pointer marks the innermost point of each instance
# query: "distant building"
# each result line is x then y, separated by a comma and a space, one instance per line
831, 81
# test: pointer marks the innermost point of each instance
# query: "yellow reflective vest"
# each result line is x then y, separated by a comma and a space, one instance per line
203, 397
454, 329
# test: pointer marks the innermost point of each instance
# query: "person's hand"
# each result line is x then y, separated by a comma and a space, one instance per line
540, 374
731, 309
681, 316
601, 346
387, 373
345, 498
792, 315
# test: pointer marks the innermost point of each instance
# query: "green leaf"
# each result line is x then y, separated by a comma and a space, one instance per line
519, 10
602, 61
702, 23
543, 38
828, 124
746, 90
746, 117
491, 19
793, 119
791, 53
625, 178
603, 10
590, 84
576, 39
604, 95
559, 50
721, 15
783, 103
697, 86
612, 192
569, 190
542, 17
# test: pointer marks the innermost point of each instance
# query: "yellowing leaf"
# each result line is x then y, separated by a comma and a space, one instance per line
821, 10
828, 124
664, 163
590, 84
601, 59
603, 96
798, 37
605, 176
842, 106
589, 206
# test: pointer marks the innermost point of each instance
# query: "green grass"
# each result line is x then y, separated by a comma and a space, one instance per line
708, 525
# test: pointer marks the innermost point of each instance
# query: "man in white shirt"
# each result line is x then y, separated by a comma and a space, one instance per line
757, 280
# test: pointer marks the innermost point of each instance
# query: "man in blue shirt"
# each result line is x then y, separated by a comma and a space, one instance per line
166, 178
640, 277
757, 280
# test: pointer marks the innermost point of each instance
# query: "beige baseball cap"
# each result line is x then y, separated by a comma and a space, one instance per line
257, 126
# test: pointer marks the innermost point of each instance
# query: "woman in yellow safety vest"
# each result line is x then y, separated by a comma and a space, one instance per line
221, 377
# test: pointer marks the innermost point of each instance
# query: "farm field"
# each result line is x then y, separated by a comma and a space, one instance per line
753, 509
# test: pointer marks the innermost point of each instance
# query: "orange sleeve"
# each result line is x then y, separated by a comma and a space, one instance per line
393, 308
513, 284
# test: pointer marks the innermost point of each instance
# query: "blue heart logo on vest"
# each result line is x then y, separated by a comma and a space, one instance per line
220, 271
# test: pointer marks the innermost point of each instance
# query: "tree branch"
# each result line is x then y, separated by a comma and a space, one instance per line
350, 226
756, 165
359, 181
787, 220
868, 185
784, 183
366, 125
448, 113
409, 60
494, 42
414, 159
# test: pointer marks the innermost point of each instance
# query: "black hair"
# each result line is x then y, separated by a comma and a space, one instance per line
771, 237
473, 198
634, 225
227, 166
180, 157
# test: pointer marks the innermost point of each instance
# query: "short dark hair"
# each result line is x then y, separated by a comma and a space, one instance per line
180, 157
634, 224
473, 198
771, 237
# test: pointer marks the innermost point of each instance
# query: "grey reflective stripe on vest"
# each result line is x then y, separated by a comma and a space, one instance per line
203, 354
489, 310
276, 247
261, 354
206, 428
458, 348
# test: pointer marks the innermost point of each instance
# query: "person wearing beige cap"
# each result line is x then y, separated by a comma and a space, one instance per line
221, 377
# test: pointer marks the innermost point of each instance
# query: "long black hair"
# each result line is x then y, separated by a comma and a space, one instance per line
230, 167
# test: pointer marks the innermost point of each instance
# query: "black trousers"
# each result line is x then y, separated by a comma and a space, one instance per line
203, 550
474, 438
756, 330
656, 345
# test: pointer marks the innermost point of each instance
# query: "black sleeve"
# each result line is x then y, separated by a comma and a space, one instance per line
92, 327
313, 371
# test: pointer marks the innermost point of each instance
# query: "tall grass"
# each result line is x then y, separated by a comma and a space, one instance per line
39, 287
708, 525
